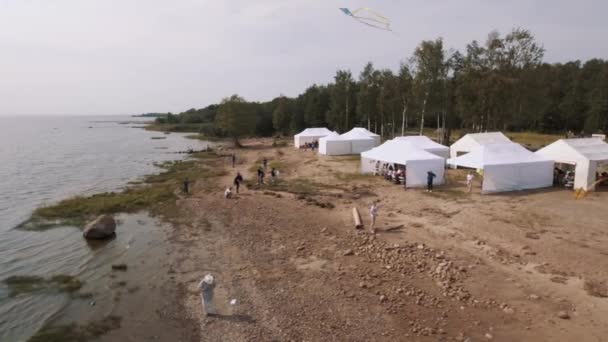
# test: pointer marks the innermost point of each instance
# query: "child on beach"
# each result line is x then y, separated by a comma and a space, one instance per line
228, 192
470, 181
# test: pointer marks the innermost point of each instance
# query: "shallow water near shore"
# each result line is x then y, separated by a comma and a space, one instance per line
44, 160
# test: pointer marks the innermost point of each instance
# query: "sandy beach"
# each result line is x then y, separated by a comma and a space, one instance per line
526, 266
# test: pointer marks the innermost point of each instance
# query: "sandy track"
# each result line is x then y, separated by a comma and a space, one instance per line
477, 267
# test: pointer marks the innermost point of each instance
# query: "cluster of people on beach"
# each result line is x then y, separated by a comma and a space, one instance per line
261, 175
311, 145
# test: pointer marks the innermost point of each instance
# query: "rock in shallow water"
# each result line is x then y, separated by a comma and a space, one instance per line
102, 227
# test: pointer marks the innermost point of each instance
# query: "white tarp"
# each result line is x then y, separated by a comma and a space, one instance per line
508, 167
474, 140
584, 153
311, 135
354, 141
425, 143
418, 162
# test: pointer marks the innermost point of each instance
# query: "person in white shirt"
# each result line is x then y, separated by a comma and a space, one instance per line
207, 286
373, 212
470, 178
228, 192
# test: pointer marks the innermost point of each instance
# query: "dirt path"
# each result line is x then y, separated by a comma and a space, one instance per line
462, 268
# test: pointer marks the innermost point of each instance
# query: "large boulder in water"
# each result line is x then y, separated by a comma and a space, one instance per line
102, 227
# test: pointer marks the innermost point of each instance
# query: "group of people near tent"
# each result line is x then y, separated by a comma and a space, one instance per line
502, 164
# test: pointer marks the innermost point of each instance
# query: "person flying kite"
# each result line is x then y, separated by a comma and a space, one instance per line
368, 17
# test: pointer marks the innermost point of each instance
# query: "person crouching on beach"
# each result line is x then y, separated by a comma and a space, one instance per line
228, 192
373, 213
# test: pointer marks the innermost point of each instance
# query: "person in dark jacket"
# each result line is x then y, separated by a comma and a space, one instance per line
237, 181
430, 176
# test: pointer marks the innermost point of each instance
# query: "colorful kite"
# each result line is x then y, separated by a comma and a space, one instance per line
368, 17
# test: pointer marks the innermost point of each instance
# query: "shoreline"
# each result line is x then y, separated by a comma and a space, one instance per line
300, 271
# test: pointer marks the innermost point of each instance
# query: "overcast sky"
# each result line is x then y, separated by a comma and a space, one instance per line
134, 56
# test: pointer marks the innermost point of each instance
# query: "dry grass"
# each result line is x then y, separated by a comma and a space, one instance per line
596, 288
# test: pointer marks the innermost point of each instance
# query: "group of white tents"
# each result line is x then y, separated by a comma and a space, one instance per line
505, 165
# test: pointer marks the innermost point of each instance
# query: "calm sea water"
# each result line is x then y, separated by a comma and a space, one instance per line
46, 159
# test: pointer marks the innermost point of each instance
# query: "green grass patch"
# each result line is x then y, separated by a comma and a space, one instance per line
77, 333
156, 191
179, 128
533, 140
353, 176
27, 284
203, 137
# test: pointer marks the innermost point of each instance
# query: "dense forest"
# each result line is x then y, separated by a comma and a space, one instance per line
501, 84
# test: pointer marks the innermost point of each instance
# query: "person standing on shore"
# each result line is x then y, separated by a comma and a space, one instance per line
265, 163
233, 159
470, 181
237, 181
373, 213
260, 176
186, 185
207, 286
430, 176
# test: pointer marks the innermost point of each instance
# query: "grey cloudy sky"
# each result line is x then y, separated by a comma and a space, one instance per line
134, 56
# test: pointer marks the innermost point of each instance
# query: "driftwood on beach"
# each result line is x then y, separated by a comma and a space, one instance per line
357, 219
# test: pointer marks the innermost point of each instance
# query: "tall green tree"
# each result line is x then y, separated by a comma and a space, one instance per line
340, 115
236, 117
281, 116
431, 74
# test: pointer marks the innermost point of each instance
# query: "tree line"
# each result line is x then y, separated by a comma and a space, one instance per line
500, 84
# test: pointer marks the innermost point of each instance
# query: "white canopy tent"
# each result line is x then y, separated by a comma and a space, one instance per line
354, 141
425, 143
418, 162
587, 154
508, 167
473, 140
310, 135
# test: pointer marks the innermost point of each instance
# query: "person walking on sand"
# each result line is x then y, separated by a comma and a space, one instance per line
237, 181
470, 181
373, 213
207, 286
260, 176
233, 157
265, 163
430, 176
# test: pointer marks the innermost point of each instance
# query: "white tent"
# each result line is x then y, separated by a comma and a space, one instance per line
310, 135
418, 162
471, 141
354, 141
425, 143
508, 167
585, 153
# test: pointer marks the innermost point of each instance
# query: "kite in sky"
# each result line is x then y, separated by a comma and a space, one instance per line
368, 17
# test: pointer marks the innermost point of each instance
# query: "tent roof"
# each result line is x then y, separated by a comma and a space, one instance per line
472, 140
361, 131
423, 142
399, 152
315, 132
589, 148
497, 154
350, 135
489, 138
